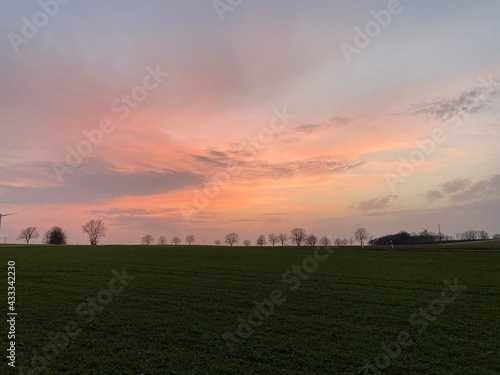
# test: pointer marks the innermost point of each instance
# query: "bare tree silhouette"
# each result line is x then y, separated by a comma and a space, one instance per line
283, 238
361, 235
28, 234
232, 238
272, 238
325, 241
147, 239
190, 239
299, 235
95, 229
261, 241
311, 240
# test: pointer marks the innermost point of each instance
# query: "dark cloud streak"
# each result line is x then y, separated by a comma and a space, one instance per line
96, 181
377, 203
465, 190
470, 101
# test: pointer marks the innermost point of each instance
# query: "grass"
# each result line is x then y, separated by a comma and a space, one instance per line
171, 317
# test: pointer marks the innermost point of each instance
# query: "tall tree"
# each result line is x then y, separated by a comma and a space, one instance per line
176, 240
483, 235
190, 239
325, 241
261, 241
232, 238
46, 237
273, 238
162, 240
247, 243
95, 229
56, 236
217, 242
361, 235
147, 239
311, 240
28, 234
299, 235
283, 238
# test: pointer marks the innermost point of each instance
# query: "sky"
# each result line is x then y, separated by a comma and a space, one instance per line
209, 117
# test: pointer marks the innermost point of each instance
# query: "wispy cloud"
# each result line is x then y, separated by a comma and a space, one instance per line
340, 120
469, 101
252, 168
130, 212
465, 190
485, 189
289, 169
96, 181
377, 203
155, 220
455, 186
433, 195
310, 128
208, 160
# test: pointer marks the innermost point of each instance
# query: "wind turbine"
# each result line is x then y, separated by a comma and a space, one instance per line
426, 233
2, 215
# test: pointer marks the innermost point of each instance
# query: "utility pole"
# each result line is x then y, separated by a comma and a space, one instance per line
439, 226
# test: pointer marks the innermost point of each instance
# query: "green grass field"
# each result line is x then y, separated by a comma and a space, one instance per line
171, 317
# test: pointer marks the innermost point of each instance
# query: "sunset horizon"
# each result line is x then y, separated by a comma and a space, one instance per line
198, 118
242, 187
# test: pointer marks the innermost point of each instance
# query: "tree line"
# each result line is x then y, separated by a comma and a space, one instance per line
95, 229
297, 237
162, 240
423, 237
